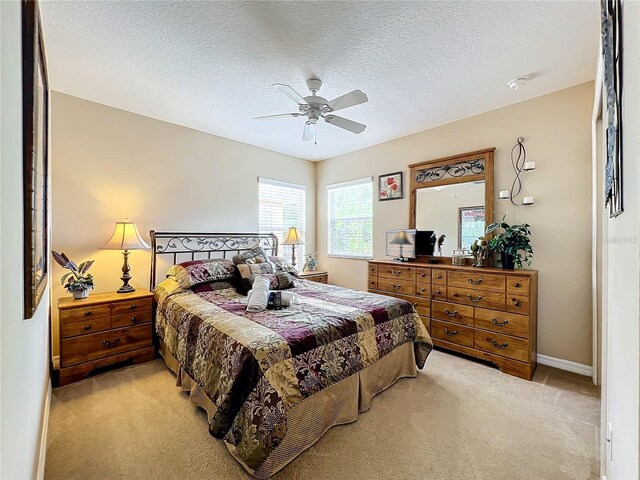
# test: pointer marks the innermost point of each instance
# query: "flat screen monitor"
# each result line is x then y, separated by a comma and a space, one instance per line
401, 244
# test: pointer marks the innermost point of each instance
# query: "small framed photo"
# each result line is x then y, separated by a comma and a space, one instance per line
390, 186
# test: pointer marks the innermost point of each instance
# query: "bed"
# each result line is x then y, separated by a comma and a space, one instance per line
273, 382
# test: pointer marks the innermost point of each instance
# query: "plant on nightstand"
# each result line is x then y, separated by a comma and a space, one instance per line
77, 282
310, 262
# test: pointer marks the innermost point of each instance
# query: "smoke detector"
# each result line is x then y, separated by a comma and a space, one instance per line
518, 82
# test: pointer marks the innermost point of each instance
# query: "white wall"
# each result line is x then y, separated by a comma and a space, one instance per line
110, 164
557, 132
24, 344
621, 258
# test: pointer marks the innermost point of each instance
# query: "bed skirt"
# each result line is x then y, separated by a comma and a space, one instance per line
308, 421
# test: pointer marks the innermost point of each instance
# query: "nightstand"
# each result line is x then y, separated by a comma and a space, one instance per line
104, 329
315, 276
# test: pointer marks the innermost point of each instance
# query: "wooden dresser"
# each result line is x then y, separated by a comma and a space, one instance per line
103, 329
487, 313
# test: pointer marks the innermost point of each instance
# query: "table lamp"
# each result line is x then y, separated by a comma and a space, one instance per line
126, 237
293, 238
401, 239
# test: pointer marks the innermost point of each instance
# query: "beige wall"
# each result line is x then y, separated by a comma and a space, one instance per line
557, 132
24, 344
110, 164
621, 264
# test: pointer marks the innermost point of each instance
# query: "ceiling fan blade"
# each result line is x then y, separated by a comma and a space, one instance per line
350, 125
280, 115
348, 100
309, 132
291, 93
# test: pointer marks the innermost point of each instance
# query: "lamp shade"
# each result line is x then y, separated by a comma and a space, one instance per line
401, 239
293, 237
125, 237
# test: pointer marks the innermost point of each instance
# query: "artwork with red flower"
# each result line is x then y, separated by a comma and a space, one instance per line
390, 186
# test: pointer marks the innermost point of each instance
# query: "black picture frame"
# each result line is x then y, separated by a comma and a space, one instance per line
35, 144
611, 32
385, 192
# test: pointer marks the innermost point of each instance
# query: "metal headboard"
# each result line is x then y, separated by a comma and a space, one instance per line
184, 246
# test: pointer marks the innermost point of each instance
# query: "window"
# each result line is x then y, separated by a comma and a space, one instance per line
282, 205
470, 225
350, 219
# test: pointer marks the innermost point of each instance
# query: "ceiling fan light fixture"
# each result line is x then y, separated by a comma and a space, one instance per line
517, 83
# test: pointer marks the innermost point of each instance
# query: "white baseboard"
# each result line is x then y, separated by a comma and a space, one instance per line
56, 362
575, 367
42, 455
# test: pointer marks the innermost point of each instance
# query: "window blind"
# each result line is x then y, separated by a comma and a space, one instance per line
350, 218
282, 205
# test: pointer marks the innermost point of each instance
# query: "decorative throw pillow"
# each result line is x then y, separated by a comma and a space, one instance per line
247, 270
277, 281
255, 255
188, 274
282, 264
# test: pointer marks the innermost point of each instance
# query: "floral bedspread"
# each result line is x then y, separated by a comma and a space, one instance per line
255, 366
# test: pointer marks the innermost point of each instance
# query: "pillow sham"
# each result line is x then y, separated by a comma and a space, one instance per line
195, 272
255, 255
282, 264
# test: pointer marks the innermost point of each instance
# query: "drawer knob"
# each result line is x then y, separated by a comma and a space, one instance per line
109, 344
396, 287
517, 285
423, 275
474, 299
395, 272
438, 292
499, 324
438, 276
132, 306
516, 302
87, 327
449, 332
372, 269
86, 314
423, 289
474, 282
497, 345
133, 319
451, 314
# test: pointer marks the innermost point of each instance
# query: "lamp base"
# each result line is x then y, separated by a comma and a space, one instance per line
126, 289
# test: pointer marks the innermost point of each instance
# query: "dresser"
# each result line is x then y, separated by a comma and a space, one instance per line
486, 313
104, 329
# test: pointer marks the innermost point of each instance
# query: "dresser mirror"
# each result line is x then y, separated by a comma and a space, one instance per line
451, 202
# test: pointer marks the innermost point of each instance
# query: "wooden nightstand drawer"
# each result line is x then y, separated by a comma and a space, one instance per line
84, 313
129, 319
131, 306
373, 283
91, 325
373, 269
97, 345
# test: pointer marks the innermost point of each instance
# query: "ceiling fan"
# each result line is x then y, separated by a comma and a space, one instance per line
315, 108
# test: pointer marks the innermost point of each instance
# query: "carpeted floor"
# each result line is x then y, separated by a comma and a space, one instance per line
457, 420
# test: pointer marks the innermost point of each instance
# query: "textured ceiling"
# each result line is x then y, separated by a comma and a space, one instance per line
210, 65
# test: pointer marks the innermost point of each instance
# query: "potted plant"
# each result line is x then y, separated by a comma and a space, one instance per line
310, 262
77, 281
513, 243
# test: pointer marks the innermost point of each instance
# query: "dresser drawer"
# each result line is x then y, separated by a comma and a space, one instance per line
129, 319
422, 305
423, 275
439, 292
131, 306
399, 273
476, 280
518, 304
439, 277
518, 285
506, 323
476, 298
512, 347
78, 314
451, 332
373, 269
91, 325
397, 286
97, 345
427, 323
452, 313
372, 283
423, 290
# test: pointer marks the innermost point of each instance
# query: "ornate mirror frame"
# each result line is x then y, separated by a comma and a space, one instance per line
463, 168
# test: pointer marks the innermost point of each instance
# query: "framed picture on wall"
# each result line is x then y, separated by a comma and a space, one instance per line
390, 186
35, 113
